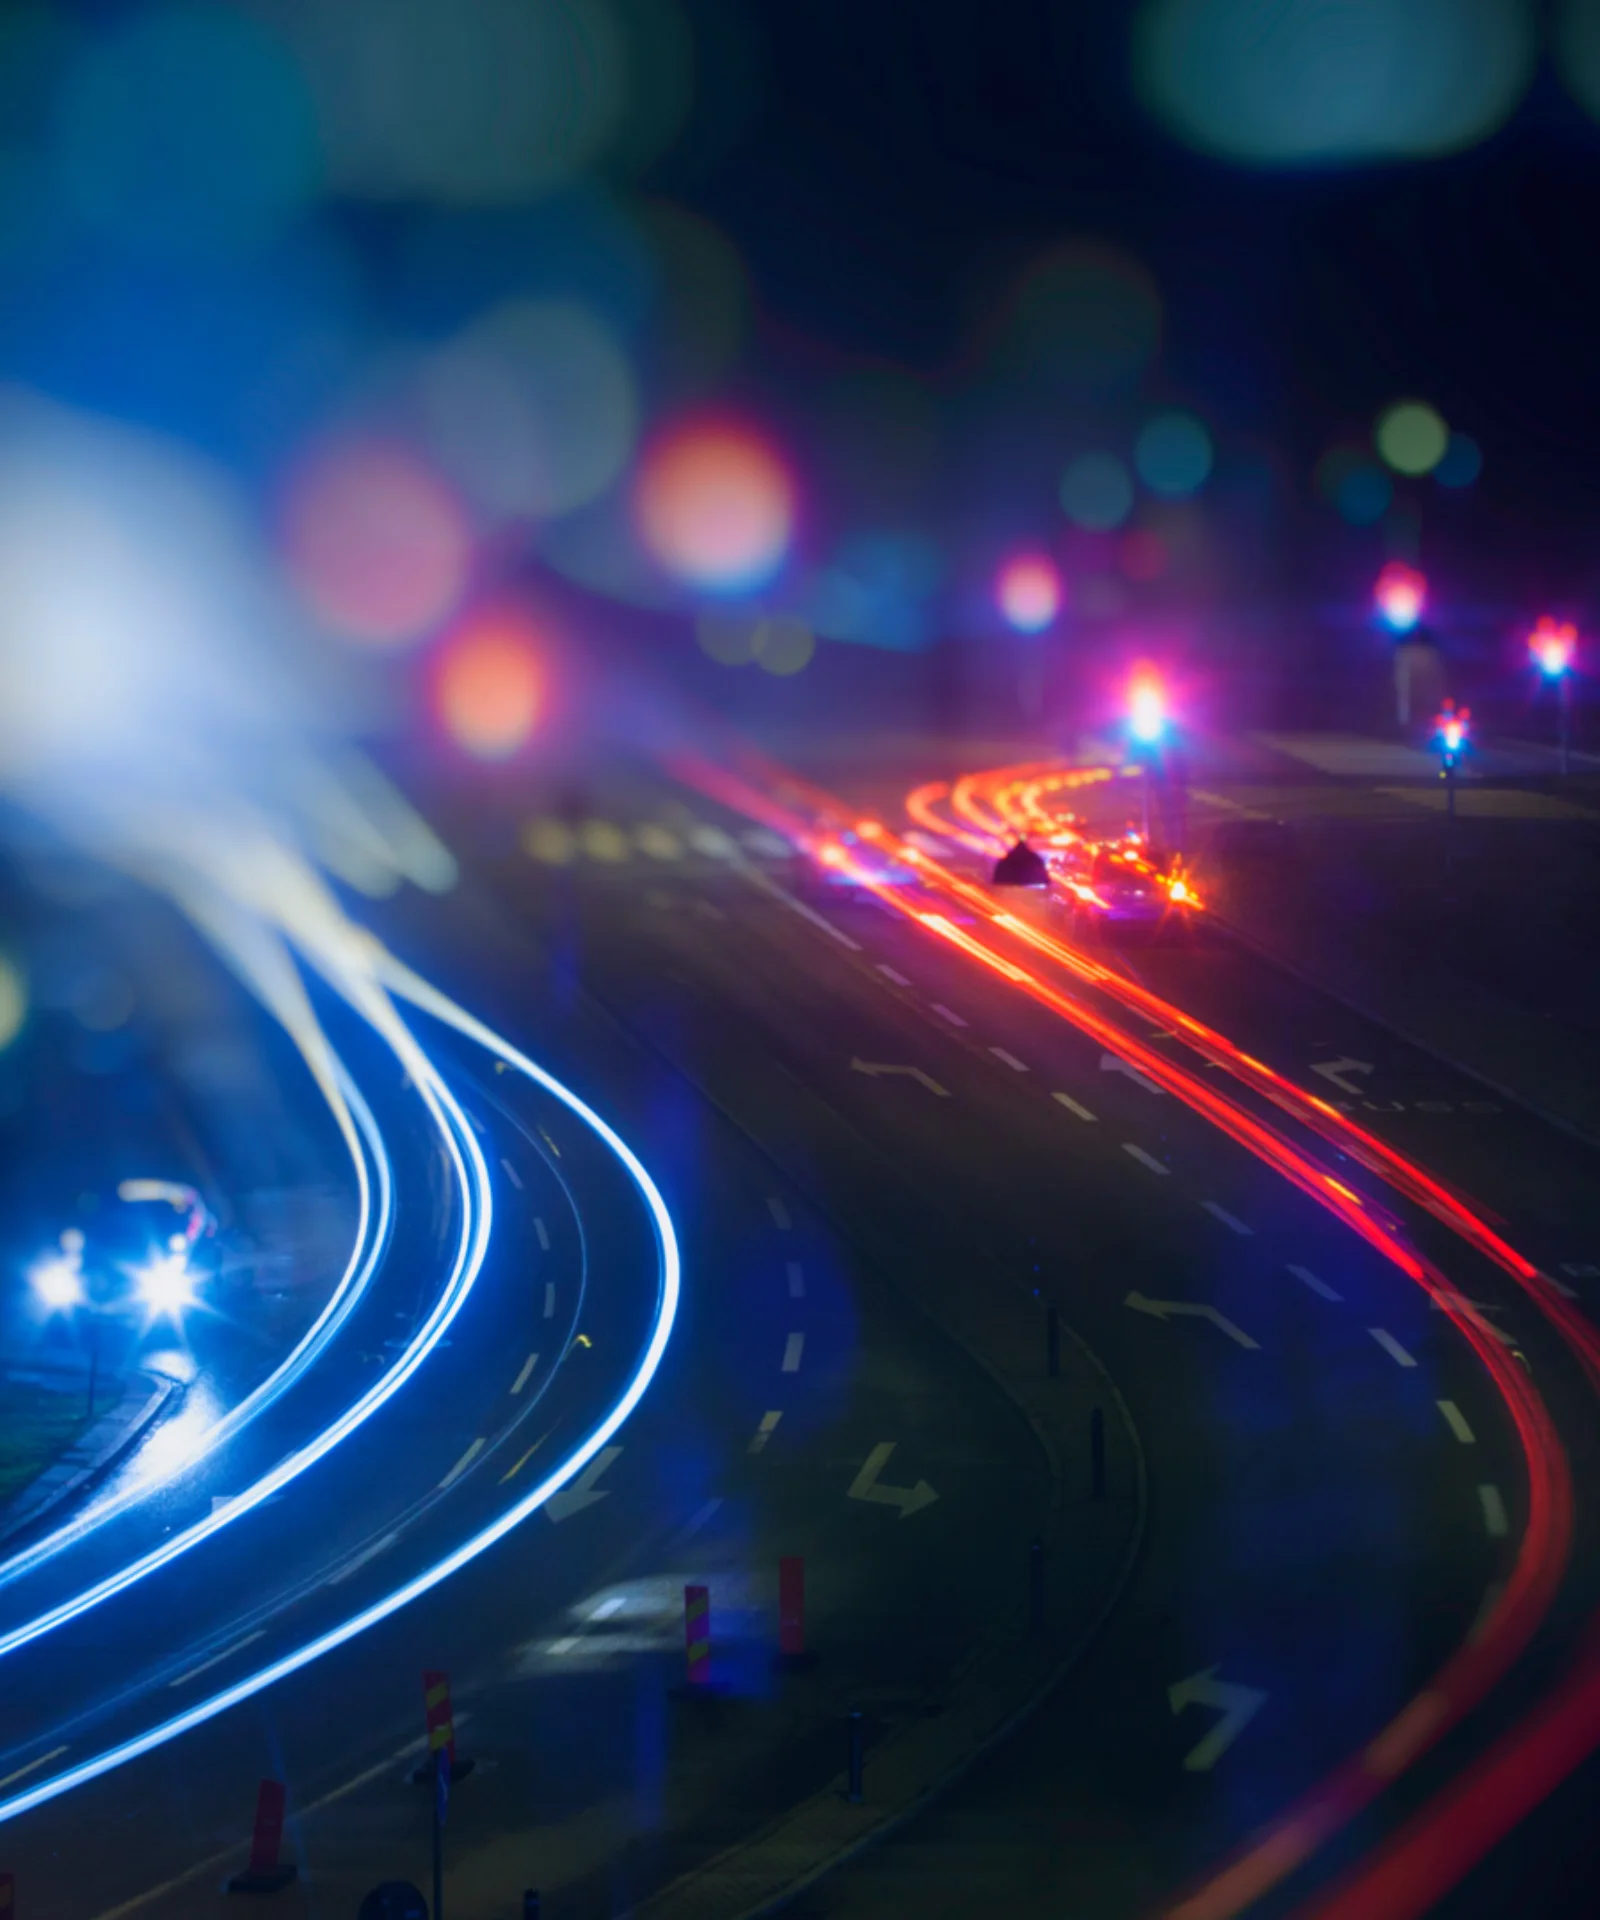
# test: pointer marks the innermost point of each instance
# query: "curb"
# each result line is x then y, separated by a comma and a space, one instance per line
109, 1441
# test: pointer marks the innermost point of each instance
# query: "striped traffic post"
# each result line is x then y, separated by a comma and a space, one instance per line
440, 1722
697, 1634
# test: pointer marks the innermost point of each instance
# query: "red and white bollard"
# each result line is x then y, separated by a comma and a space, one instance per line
697, 1634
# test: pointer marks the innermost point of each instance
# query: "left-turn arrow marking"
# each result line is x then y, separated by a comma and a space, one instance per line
876, 1067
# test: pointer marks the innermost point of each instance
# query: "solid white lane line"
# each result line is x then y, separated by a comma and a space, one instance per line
1494, 1512
1072, 1106
1456, 1422
1305, 1275
217, 1659
463, 1463
889, 974
528, 1366
549, 1299
1145, 1159
763, 1433
361, 1559
543, 1232
1010, 1059
1392, 1347
779, 1212
797, 1281
1231, 1221
33, 1766
944, 1013
512, 1175
793, 1347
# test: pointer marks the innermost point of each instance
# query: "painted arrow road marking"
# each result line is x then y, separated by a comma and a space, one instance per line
1165, 1309
865, 1486
877, 1067
1237, 1705
1114, 1063
1338, 1071
583, 1492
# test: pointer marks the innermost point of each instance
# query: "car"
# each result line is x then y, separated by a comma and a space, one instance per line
1115, 890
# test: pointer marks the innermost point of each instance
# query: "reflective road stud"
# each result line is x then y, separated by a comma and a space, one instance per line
697, 1634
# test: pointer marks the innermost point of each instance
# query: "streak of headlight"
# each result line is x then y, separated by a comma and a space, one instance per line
343, 952
428, 998
372, 1233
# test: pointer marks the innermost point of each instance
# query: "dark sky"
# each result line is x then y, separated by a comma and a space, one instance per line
908, 155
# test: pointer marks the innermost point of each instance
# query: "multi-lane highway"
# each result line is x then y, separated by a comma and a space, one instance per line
873, 1117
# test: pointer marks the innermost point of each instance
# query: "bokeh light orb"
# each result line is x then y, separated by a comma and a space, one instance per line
1399, 596
1143, 555
784, 644
715, 506
488, 685
1411, 437
533, 410
1029, 592
1097, 492
1364, 495
1173, 455
185, 127
1311, 82
1085, 318
1461, 462
376, 543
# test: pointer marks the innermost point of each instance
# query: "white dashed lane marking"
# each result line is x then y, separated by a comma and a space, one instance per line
1144, 1159
763, 1433
463, 1463
543, 1232
528, 1366
512, 1175
1230, 1220
1456, 1422
549, 1299
1308, 1278
889, 973
779, 1212
944, 1013
1009, 1059
1391, 1346
797, 1280
793, 1347
1072, 1106
1494, 1512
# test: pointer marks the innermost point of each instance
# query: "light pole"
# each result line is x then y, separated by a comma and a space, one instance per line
1553, 645
1450, 730
1147, 723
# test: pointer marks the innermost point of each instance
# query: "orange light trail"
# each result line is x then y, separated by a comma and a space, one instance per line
1472, 1671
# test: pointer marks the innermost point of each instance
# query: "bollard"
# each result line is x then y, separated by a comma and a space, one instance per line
792, 1611
439, 1719
1097, 1455
1036, 1586
265, 1873
1052, 1341
697, 1634
852, 1791
530, 1904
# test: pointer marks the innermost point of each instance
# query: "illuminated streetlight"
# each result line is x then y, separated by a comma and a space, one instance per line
165, 1284
1553, 645
1399, 595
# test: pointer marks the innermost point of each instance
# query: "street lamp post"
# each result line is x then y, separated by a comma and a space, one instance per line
1553, 645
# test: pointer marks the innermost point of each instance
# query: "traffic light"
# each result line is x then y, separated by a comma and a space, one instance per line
1399, 595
